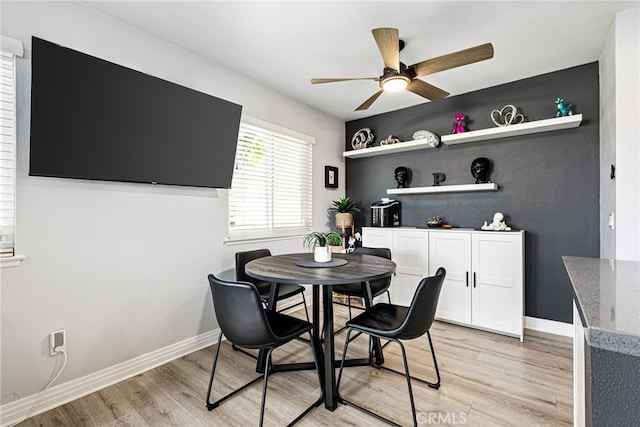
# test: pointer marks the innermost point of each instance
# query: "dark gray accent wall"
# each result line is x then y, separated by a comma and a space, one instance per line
548, 182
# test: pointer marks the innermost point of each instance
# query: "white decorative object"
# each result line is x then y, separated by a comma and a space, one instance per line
362, 138
322, 253
389, 140
432, 139
497, 225
506, 116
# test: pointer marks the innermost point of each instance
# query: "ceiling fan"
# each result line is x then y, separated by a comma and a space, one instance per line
396, 76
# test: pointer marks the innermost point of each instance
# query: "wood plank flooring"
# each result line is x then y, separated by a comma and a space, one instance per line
487, 380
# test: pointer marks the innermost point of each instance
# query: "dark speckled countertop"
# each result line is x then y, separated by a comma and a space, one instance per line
607, 294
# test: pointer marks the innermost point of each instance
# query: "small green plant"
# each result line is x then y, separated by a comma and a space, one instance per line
344, 205
318, 238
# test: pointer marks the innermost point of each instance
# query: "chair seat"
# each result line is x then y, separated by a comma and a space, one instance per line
286, 327
381, 319
285, 290
355, 289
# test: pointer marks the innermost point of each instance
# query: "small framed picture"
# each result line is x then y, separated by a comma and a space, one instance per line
331, 177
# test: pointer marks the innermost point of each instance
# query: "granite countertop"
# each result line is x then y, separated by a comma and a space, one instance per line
607, 294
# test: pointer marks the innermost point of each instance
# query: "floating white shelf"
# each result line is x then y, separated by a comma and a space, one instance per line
491, 186
416, 144
526, 128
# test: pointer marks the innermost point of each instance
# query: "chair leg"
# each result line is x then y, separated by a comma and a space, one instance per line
408, 377
213, 371
344, 355
212, 405
264, 385
435, 364
306, 311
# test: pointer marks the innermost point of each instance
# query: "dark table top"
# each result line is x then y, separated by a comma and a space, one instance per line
283, 269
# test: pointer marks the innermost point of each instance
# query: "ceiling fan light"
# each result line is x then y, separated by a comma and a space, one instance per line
395, 84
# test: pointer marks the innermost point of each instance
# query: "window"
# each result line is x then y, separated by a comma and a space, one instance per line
270, 193
9, 50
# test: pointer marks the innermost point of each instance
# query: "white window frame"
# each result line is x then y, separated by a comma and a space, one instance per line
10, 49
266, 225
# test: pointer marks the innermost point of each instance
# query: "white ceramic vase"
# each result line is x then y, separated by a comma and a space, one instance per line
322, 254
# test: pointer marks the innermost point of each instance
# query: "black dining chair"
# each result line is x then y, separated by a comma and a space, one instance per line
378, 287
285, 290
246, 323
396, 323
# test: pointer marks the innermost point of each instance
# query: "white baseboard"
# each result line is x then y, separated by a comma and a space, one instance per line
549, 326
14, 412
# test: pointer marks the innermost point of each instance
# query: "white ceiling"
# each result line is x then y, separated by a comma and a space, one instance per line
284, 44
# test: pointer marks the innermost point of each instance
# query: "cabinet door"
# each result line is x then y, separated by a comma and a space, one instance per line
453, 252
497, 302
377, 238
410, 252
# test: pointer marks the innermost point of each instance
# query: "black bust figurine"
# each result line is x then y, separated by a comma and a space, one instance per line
402, 176
480, 170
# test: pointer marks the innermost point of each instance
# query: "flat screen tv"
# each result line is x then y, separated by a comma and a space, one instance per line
93, 119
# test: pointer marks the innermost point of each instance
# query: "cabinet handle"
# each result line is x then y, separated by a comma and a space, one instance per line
474, 279
467, 278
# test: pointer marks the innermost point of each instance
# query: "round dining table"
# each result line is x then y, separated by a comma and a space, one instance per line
299, 268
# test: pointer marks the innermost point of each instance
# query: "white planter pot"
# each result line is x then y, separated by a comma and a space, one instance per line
322, 254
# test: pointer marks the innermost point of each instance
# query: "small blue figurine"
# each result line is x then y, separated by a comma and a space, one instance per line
563, 110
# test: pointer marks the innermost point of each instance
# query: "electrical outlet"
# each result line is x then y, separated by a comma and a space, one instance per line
57, 342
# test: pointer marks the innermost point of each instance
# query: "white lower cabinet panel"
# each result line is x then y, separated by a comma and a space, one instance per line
485, 273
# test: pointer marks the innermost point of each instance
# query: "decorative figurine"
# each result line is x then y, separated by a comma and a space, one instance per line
389, 140
497, 225
432, 139
434, 222
507, 115
402, 176
362, 138
458, 125
438, 177
563, 110
480, 170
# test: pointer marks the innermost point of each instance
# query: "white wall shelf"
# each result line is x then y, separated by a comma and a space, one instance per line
491, 186
416, 144
526, 128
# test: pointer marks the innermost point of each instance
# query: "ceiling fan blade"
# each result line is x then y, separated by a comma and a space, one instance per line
366, 104
316, 81
388, 41
453, 60
427, 90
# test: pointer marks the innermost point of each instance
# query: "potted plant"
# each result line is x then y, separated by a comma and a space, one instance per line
343, 209
320, 243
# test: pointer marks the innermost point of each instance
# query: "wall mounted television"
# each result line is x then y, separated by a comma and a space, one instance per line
93, 119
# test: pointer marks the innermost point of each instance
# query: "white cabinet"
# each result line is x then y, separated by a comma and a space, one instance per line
485, 273
409, 250
485, 278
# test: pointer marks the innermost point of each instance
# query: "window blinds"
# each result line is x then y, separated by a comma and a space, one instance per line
7, 152
270, 194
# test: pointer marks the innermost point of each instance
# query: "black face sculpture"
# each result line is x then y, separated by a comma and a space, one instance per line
402, 176
480, 170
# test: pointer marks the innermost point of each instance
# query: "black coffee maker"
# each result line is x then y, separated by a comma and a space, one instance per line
385, 213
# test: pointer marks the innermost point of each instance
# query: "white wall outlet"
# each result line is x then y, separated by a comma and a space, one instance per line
57, 342
612, 220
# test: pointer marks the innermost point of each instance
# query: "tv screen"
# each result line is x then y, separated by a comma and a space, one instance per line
93, 119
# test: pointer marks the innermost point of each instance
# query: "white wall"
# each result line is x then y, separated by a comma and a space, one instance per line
620, 137
122, 267
627, 107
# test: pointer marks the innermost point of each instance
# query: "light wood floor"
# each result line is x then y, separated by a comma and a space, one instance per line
487, 380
